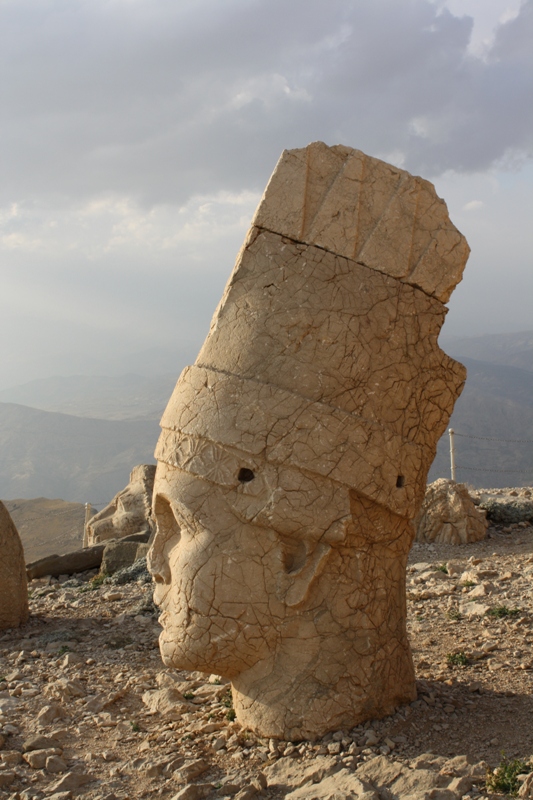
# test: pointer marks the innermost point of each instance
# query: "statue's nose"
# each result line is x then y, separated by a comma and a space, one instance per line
157, 563
166, 537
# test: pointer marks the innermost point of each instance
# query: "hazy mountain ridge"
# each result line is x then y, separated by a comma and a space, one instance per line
496, 403
118, 397
112, 424
510, 349
151, 362
46, 454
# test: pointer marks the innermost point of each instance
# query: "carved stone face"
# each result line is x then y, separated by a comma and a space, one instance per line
215, 580
128, 512
231, 558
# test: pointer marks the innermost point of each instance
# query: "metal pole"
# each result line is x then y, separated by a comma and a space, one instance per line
452, 453
87, 518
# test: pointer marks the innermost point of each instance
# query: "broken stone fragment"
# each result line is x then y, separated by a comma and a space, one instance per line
294, 453
129, 512
71, 781
449, 516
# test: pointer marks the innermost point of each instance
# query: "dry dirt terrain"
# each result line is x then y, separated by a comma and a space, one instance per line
85, 673
47, 526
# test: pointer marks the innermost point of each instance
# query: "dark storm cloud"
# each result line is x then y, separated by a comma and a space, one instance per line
160, 100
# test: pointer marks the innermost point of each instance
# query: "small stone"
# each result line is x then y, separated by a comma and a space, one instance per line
50, 713
247, 793
37, 758
6, 778
71, 781
194, 791
191, 770
10, 758
55, 764
219, 744
39, 743
71, 659
461, 785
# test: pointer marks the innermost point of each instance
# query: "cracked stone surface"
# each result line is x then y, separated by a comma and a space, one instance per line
13, 582
128, 512
294, 452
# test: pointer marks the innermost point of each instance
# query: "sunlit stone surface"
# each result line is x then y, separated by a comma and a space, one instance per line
294, 453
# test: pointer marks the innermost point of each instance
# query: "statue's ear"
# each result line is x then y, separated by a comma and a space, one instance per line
304, 561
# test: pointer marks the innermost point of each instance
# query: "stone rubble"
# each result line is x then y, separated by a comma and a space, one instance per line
449, 515
129, 512
74, 681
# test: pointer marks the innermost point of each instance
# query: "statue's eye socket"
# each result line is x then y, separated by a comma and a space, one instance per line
245, 475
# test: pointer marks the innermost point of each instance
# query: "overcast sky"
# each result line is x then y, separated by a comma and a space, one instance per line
137, 137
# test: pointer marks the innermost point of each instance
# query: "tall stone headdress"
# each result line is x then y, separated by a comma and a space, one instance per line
323, 351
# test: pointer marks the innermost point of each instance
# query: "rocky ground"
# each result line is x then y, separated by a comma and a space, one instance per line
87, 707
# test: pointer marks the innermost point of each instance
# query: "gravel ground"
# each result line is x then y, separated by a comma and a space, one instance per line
77, 672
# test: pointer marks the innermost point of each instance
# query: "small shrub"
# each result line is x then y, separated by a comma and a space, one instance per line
64, 649
443, 568
230, 714
135, 727
188, 695
500, 612
457, 659
94, 583
227, 699
469, 584
454, 613
505, 777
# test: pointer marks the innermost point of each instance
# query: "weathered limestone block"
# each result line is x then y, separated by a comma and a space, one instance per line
67, 564
130, 511
13, 581
119, 554
449, 516
294, 453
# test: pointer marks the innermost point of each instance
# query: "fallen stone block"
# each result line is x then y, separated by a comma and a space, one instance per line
68, 564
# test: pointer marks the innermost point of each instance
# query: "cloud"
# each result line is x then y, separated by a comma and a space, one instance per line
138, 135
161, 100
473, 205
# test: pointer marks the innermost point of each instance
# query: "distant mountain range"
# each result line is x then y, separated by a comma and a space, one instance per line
45, 454
101, 397
496, 403
78, 437
510, 349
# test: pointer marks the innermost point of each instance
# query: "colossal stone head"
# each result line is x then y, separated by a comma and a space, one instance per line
130, 511
294, 453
